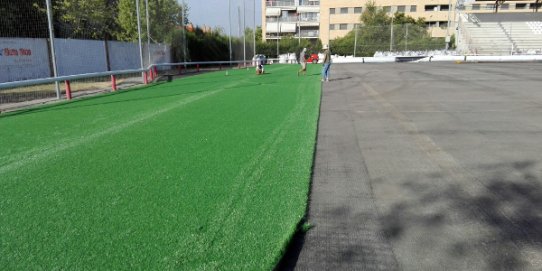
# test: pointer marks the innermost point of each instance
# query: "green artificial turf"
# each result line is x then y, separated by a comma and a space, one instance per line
205, 172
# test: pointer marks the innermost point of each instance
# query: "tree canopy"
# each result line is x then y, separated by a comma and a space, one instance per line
375, 33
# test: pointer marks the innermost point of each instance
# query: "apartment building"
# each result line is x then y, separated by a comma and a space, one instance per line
298, 18
329, 19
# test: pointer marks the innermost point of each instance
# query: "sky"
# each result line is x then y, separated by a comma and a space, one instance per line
214, 13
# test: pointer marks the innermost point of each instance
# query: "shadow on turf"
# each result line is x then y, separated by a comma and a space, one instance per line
509, 206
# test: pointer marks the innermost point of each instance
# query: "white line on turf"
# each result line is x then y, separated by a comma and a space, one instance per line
27, 157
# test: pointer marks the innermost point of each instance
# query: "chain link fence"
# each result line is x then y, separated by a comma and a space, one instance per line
45, 39
407, 39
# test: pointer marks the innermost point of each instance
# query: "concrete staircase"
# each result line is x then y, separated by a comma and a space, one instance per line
501, 38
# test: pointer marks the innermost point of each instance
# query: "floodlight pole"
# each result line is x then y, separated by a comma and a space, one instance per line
148, 31
406, 37
298, 30
52, 43
184, 33
139, 37
356, 39
254, 34
391, 35
244, 33
278, 36
448, 26
229, 23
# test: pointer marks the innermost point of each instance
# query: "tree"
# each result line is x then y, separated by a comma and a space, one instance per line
94, 19
164, 15
375, 34
23, 18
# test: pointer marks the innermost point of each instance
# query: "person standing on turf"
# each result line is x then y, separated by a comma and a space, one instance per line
303, 62
327, 64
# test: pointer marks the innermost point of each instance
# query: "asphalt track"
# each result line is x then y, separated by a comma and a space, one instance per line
426, 167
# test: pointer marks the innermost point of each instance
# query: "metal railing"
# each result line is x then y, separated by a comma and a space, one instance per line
147, 75
281, 3
309, 3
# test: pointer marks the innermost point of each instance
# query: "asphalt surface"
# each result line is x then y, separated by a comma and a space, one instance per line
427, 167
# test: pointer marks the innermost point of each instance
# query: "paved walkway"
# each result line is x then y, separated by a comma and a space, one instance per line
427, 167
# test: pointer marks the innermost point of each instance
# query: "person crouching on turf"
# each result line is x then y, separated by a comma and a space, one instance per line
303, 62
259, 68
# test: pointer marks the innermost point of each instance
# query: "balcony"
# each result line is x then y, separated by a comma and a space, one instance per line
281, 3
305, 18
309, 3
313, 33
289, 19
310, 33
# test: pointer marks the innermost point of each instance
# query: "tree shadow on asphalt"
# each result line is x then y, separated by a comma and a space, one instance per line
508, 206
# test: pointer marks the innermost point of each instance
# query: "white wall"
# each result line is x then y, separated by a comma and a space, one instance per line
123, 55
23, 59
80, 56
30, 61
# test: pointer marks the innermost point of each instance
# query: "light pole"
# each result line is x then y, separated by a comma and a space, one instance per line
139, 37
356, 39
299, 30
391, 35
448, 26
244, 33
148, 31
278, 36
184, 34
254, 27
229, 22
52, 43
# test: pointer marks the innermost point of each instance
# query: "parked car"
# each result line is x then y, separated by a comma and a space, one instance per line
313, 58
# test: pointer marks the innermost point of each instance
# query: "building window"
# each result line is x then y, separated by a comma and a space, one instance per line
386, 8
521, 6
475, 6
344, 10
413, 8
443, 24
431, 8
444, 7
401, 9
357, 10
343, 27
331, 11
504, 6
534, 5
490, 6
331, 27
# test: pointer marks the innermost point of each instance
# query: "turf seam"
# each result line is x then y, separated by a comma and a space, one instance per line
249, 174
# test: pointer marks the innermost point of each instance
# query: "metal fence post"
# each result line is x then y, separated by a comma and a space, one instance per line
406, 37
148, 31
391, 35
144, 74
52, 42
356, 39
